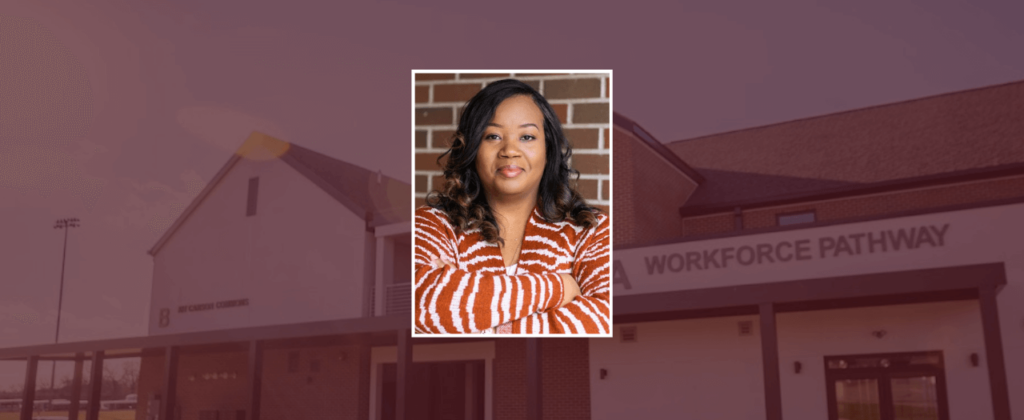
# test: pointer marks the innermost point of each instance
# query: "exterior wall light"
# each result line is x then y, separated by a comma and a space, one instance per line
797, 367
974, 359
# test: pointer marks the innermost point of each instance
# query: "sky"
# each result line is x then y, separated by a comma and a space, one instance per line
119, 113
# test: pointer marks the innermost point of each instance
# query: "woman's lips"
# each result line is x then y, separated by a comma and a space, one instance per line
510, 171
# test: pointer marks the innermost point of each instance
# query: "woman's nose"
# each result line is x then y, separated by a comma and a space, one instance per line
509, 149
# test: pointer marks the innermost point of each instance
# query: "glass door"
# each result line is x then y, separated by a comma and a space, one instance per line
902, 386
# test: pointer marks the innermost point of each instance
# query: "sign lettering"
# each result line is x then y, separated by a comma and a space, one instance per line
825, 247
224, 304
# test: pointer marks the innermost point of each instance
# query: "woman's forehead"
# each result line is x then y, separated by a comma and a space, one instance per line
516, 111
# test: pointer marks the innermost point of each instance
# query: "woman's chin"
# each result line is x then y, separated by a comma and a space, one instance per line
509, 192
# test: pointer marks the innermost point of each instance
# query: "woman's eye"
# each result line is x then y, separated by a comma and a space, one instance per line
529, 137
492, 137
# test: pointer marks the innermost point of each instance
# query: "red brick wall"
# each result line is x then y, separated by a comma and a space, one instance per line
565, 375
150, 382
878, 204
581, 101
340, 390
648, 192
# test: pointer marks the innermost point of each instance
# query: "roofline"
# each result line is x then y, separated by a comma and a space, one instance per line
307, 172
372, 219
848, 111
659, 148
824, 223
235, 157
860, 189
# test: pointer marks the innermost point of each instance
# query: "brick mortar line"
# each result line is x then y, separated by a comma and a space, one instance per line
567, 101
855, 197
485, 80
564, 126
575, 151
587, 176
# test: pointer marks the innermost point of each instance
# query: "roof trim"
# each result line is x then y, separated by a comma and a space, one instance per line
658, 148
801, 226
195, 203
267, 332
256, 142
848, 111
861, 189
307, 172
818, 293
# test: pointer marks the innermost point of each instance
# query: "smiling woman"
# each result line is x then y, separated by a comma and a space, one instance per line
505, 243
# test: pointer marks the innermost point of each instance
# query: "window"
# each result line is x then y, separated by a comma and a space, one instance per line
254, 187
785, 219
886, 386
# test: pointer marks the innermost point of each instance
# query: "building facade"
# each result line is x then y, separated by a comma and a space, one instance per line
865, 264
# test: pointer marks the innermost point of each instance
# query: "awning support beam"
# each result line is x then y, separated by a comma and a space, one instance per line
28, 393
994, 353
770, 363
255, 378
534, 406
403, 382
76, 387
170, 390
92, 412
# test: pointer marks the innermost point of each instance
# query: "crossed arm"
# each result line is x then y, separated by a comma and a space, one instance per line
450, 300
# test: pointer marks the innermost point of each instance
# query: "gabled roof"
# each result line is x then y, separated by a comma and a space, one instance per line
935, 138
375, 197
631, 126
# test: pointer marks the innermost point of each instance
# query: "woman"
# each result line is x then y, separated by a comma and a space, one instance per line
507, 245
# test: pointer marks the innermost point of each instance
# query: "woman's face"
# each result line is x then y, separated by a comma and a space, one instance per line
512, 154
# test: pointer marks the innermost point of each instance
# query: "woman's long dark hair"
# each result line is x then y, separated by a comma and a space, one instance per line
462, 197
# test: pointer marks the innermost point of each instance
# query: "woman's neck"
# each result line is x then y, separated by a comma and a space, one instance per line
512, 214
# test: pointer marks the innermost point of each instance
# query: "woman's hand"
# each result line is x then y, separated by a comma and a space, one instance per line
441, 262
571, 289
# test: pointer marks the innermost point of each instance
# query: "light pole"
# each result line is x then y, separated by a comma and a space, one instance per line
65, 224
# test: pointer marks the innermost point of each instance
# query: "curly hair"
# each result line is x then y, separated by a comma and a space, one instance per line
462, 197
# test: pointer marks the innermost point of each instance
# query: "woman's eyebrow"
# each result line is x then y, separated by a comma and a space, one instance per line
521, 126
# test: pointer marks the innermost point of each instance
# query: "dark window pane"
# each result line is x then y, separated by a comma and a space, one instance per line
857, 399
254, 187
915, 398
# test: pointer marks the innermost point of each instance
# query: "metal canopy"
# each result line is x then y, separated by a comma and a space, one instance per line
135, 346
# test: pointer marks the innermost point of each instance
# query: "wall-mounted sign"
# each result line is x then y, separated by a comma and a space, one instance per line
788, 251
224, 304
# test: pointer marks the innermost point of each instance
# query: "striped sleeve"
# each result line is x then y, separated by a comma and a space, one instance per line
589, 313
460, 301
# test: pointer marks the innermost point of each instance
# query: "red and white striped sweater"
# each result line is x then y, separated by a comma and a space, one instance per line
478, 296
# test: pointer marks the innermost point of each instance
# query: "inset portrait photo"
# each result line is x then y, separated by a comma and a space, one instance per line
512, 184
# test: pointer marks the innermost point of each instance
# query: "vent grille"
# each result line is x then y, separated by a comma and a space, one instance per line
397, 298
746, 327
628, 334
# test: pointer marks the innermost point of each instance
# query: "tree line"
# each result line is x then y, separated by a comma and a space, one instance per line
116, 384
